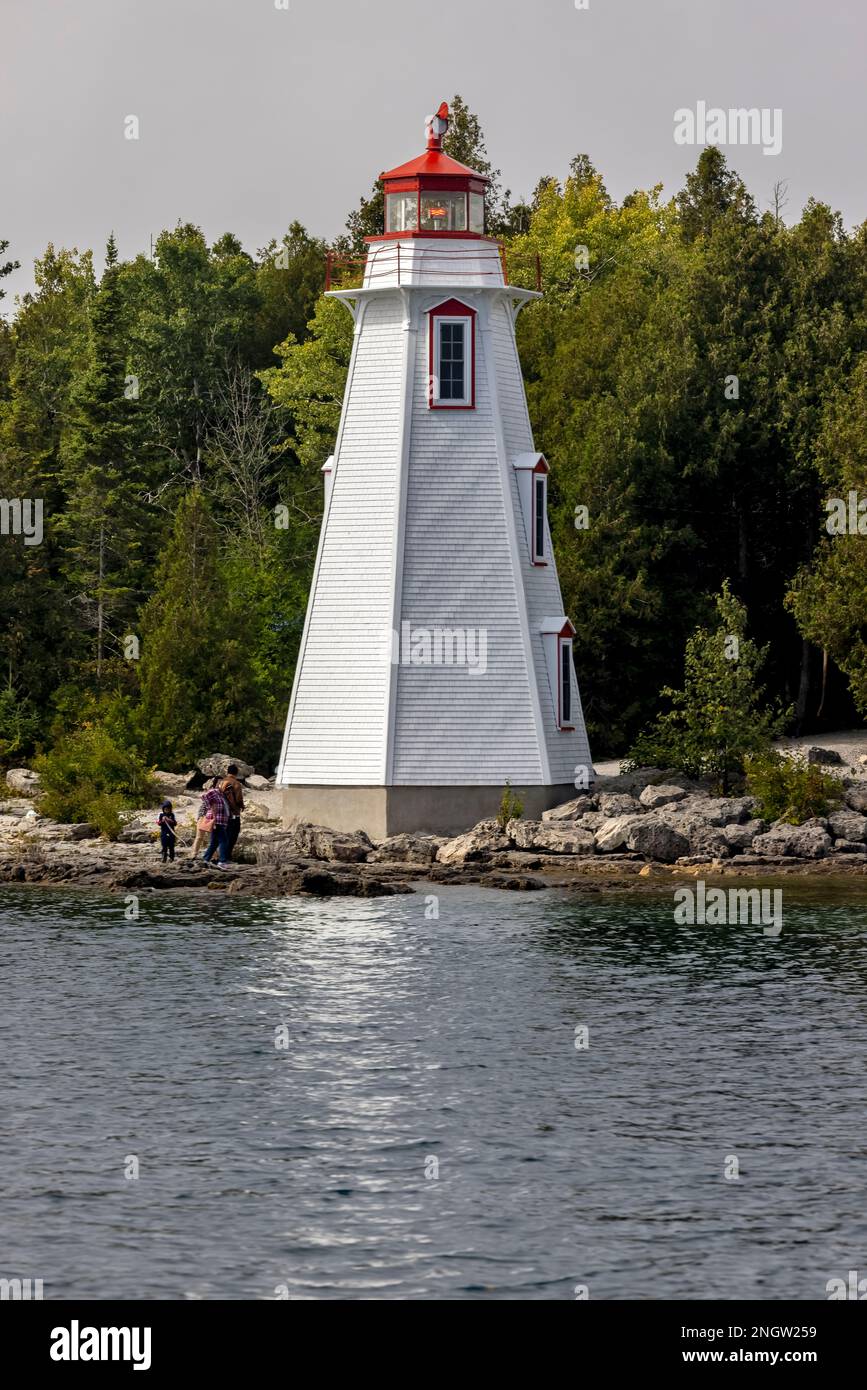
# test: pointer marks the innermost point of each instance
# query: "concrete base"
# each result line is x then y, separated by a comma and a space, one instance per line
384, 811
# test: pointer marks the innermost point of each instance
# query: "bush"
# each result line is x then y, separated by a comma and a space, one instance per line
89, 777
19, 725
790, 789
511, 807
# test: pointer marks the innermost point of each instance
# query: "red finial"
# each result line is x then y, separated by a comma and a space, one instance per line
436, 127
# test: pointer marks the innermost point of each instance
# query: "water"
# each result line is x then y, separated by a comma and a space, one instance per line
410, 1040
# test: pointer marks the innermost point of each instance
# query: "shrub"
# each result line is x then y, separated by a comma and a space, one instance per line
19, 725
719, 717
511, 807
88, 776
790, 789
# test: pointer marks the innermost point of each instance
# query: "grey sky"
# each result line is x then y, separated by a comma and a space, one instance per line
252, 116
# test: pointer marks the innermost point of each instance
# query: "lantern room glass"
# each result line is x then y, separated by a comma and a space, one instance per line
443, 212
477, 213
401, 212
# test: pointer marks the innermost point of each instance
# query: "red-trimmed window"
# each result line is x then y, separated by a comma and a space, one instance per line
540, 510
452, 356
564, 663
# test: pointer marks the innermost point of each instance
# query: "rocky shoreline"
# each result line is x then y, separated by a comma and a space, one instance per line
631, 832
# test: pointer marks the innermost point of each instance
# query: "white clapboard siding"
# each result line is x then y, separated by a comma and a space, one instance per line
457, 559
451, 726
337, 729
566, 750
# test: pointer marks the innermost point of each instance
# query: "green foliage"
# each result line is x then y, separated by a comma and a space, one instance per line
717, 719
511, 806
198, 682
19, 726
789, 788
87, 776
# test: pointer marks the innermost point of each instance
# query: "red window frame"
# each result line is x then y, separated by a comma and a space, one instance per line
451, 309
539, 474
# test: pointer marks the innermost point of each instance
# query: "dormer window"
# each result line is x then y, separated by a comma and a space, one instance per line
557, 636
532, 473
452, 357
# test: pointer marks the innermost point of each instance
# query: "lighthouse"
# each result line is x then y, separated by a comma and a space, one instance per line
436, 663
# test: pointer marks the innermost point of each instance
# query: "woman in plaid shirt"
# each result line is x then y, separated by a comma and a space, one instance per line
214, 804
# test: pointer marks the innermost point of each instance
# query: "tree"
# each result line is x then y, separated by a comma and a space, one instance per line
198, 687
104, 517
7, 267
718, 719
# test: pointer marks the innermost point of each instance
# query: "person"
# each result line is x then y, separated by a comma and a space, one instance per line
233, 791
168, 825
215, 805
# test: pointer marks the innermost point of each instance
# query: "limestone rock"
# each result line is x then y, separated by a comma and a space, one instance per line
848, 825
613, 804
484, 839
406, 849
548, 838
849, 847
656, 840
827, 757
572, 810
258, 784
808, 841
318, 842
22, 779
613, 834
855, 796
653, 797
739, 837
217, 765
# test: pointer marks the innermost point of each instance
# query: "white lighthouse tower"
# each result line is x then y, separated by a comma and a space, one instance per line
436, 662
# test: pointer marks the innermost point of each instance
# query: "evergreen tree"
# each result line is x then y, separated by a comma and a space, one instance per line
198, 684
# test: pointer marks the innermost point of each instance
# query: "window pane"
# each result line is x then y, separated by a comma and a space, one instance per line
540, 519
565, 683
401, 212
477, 212
452, 361
444, 212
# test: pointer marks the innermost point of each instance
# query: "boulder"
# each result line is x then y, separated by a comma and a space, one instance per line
849, 847
613, 834
848, 825
656, 840
740, 838
318, 842
217, 765
827, 757
406, 849
613, 804
653, 797
484, 839
855, 796
82, 831
808, 841
258, 784
550, 839
572, 810
22, 779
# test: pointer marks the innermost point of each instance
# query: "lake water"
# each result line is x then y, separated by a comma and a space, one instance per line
429, 1129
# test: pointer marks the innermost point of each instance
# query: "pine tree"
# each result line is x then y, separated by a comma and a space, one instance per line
197, 679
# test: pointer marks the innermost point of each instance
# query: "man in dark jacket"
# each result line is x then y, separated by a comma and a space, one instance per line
234, 794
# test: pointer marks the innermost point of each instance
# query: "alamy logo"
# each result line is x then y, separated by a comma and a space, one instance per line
739, 125
716, 908
22, 516
437, 646
20, 1289
855, 1289
847, 516
76, 1343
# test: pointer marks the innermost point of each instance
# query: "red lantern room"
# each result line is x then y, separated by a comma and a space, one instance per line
434, 195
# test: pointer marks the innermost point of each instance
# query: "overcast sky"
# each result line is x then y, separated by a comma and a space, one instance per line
252, 116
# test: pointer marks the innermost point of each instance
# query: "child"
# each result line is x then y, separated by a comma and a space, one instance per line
168, 825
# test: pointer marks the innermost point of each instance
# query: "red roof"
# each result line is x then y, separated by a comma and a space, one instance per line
432, 162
